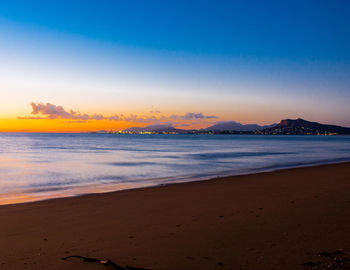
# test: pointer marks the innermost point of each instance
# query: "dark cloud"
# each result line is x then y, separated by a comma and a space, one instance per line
51, 111
139, 119
191, 116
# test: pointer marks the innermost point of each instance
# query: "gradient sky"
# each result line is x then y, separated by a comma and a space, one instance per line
134, 63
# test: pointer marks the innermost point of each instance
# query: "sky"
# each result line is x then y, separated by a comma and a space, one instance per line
71, 66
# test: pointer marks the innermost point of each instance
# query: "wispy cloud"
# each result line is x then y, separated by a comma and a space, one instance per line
191, 116
51, 111
154, 110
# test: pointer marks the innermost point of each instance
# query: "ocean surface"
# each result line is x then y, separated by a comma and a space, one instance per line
42, 166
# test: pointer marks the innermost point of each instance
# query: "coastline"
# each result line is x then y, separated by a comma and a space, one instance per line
49, 168
27, 197
269, 220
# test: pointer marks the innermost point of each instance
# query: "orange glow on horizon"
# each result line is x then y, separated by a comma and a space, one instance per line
252, 116
59, 125
71, 126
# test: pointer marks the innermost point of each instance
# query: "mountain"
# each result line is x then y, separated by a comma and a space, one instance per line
235, 126
156, 129
285, 127
301, 126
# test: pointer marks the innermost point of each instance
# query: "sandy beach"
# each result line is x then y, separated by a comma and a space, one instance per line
274, 220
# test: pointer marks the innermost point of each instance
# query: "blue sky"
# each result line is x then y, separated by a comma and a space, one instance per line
250, 61
268, 30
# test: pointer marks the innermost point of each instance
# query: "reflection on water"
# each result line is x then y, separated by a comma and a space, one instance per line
40, 166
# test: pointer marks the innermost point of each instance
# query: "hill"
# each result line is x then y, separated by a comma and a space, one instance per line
156, 129
303, 127
235, 126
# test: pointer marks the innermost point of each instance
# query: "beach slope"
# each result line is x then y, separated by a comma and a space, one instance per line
274, 220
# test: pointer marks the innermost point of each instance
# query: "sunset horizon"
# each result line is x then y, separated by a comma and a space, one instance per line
174, 135
47, 117
204, 63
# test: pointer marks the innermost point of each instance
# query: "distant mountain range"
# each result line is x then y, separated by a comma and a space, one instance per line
235, 126
157, 129
220, 127
303, 127
285, 127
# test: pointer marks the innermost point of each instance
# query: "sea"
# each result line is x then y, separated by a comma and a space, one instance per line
38, 166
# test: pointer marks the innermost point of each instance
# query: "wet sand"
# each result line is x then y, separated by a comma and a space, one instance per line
275, 220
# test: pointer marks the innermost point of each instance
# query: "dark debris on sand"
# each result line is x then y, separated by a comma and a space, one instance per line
109, 263
336, 260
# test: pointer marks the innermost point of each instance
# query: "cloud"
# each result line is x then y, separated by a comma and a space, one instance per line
51, 111
139, 119
191, 116
154, 110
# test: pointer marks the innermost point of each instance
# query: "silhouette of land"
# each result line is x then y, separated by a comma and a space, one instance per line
285, 127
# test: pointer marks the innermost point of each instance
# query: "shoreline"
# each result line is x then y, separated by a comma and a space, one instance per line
166, 134
270, 220
111, 188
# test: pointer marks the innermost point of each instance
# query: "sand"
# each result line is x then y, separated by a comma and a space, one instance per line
275, 220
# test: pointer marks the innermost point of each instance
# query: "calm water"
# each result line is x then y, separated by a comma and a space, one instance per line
40, 166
